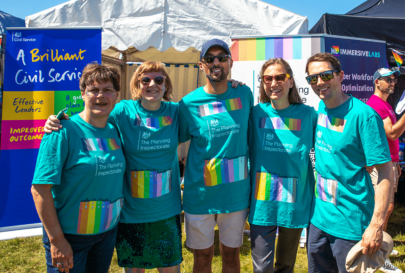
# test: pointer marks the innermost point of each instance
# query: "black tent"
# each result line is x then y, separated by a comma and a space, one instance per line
7, 20
374, 19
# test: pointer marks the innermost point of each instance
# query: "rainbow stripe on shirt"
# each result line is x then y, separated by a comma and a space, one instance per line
217, 107
334, 124
154, 122
99, 144
150, 184
277, 123
98, 216
219, 171
326, 189
271, 187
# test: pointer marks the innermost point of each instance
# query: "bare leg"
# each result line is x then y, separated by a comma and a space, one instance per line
230, 259
172, 269
203, 260
134, 270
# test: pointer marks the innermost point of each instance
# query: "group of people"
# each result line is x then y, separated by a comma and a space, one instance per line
109, 176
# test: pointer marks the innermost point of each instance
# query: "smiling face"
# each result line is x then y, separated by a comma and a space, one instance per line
151, 91
216, 71
277, 91
326, 90
384, 87
99, 99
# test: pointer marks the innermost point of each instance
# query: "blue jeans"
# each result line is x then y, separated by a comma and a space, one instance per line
326, 253
91, 253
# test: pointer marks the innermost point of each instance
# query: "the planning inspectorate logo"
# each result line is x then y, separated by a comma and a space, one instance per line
319, 134
269, 136
145, 135
214, 122
335, 50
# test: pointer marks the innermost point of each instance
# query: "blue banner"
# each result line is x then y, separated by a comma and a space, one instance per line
359, 60
41, 77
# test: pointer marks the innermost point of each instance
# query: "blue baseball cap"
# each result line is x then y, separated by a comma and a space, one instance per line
385, 72
214, 42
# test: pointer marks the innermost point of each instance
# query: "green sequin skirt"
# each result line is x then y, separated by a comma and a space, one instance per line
150, 245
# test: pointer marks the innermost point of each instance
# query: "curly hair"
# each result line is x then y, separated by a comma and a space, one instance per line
99, 73
145, 68
293, 96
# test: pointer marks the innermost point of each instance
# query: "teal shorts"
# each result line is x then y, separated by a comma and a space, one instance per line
150, 245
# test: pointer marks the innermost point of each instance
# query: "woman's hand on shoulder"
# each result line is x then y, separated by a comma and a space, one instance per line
53, 124
235, 83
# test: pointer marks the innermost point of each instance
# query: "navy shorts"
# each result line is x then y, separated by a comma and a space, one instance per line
91, 253
326, 253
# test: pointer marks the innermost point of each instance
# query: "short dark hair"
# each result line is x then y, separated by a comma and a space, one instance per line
99, 73
293, 95
324, 57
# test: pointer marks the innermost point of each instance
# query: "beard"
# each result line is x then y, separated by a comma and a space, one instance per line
211, 78
387, 90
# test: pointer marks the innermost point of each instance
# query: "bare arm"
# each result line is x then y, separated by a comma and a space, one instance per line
372, 237
393, 132
61, 250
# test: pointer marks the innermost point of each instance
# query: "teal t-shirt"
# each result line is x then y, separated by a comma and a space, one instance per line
152, 180
348, 138
281, 172
86, 167
216, 176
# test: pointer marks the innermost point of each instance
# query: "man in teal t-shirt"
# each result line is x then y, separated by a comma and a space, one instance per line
216, 184
349, 136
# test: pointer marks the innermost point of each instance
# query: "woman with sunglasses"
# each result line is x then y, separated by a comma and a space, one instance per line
281, 135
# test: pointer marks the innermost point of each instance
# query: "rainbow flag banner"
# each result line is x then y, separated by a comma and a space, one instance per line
99, 144
397, 58
326, 189
334, 124
291, 124
150, 184
219, 107
271, 187
264, 48
154, 123
98, 216
223, 170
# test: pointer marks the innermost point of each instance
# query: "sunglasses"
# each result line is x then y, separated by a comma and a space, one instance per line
221, 57
389, 80
159, 80
267, 79
325, 76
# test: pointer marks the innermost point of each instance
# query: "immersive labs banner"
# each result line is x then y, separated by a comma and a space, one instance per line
41, 77
359, 60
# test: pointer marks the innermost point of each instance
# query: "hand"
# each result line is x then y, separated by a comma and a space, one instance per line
53, 124
372, 239
235, 84
369, 169
62, 255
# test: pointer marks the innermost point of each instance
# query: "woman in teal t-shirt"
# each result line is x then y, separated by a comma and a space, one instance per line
281, 135
78, 180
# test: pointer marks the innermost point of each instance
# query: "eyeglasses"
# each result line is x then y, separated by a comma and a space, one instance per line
221, 57
93, 92
325, 76
159, 80
389, 80
267, 79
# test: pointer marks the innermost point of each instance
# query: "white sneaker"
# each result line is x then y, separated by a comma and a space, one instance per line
394, 253
401, 104
388, 267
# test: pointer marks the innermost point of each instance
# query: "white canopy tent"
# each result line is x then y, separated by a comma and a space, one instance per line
174, 25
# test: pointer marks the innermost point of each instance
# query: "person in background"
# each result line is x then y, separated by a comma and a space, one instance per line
216, 182
384, 83
349, 136
78, 180
281, 135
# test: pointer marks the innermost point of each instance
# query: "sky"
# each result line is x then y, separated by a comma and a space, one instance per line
313, 9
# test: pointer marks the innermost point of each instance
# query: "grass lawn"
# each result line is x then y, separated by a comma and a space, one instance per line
27, 254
